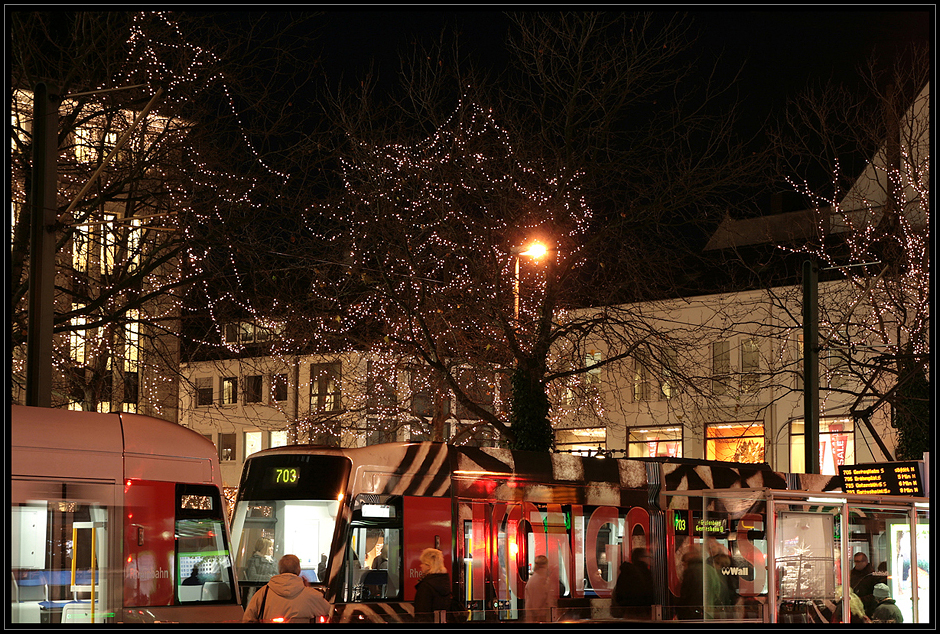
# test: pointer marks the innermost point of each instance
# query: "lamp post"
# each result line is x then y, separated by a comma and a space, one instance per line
535, 250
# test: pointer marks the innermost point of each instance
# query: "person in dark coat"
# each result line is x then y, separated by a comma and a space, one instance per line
701, 590
633, 592
887, 610
862, 577
432, 592
261, 565
193, 579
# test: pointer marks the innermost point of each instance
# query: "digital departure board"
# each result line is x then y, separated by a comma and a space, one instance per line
890, 478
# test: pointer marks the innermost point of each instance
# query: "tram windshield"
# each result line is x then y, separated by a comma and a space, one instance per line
287, 504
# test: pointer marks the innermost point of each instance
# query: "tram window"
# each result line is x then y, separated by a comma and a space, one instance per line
49, 538
203, 568
270, 529
203, 561
373, 564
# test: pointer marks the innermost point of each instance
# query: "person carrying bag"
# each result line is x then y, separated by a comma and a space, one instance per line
286, 598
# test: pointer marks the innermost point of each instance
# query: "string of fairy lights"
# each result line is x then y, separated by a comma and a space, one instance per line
406, 202
420, 192
892, 293
186, 72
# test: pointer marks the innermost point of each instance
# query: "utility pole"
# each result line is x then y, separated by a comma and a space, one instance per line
43, 217
811, 365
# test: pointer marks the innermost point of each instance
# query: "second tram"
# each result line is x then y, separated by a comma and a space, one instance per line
116, 518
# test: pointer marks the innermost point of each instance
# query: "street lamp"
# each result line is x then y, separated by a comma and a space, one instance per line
534, 250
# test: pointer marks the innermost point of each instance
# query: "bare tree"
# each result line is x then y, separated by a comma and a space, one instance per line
590, 144
871, 144
134, 221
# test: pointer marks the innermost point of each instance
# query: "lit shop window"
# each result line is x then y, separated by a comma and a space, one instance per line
836, 445
583, 442
655, 442
735, 442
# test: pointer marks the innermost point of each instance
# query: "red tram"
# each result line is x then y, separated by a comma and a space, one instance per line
359, 519
116, 518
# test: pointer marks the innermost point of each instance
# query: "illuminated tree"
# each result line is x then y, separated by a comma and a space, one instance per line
873, 217
588, 144
130, 246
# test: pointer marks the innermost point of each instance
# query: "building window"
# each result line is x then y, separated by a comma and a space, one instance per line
279, 387
593, 374
85, 141
586, 441
77, 337
750, 365
325, 387
471, 435
253, 388
131, 389
246, 332
667, 388
204, 394
836, 359
380, 390
226, 447
641, 377
655, 442
229, 390
81, 249
380, 432
277, 438
836, 445
721, 366
132, 361
798, 342
109, 244
735, 442
480, 387
425, 391
252, 442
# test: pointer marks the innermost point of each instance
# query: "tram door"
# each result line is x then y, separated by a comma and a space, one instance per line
60, 552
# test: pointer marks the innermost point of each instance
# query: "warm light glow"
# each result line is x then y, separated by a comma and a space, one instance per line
535, 250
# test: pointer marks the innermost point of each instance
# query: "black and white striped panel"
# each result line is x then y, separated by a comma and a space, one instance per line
353, 613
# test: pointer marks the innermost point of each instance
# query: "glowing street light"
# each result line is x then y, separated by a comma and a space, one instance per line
534, 250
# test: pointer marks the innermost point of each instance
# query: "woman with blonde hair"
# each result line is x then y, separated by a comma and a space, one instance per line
432, 593
261, 565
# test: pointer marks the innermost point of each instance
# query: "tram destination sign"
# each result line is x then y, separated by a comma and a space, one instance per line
889, 478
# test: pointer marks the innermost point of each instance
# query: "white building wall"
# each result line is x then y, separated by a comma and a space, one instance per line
773, 318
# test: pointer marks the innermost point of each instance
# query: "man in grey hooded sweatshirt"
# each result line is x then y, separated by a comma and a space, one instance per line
286, 598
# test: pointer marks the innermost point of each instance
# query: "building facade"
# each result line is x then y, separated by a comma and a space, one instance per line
115, 346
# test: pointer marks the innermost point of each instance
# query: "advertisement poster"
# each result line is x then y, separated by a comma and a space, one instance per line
901, 563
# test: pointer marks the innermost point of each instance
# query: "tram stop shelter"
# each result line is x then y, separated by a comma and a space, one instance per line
786, 555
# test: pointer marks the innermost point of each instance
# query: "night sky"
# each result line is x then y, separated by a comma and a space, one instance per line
783, 49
